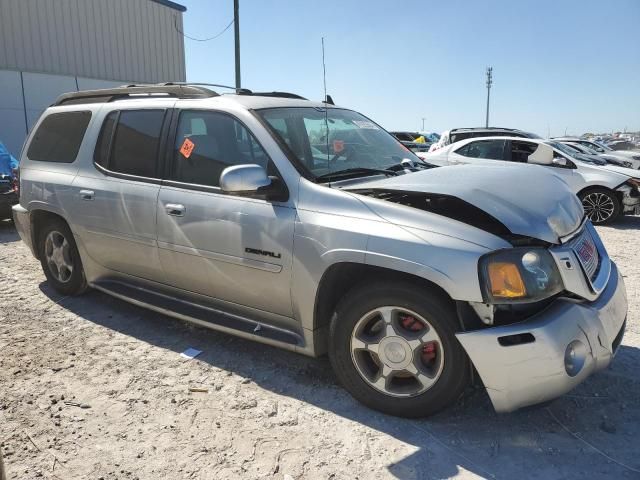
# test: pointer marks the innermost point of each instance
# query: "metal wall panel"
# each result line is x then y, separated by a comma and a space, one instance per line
121, 40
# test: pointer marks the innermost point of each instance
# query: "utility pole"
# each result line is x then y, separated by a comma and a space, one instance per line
423, 119
489, 83
236, 30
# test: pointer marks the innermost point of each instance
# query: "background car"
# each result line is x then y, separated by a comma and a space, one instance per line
611, 159
408, 139
622, 145
457, 134
8, 182
605, 192
602, 148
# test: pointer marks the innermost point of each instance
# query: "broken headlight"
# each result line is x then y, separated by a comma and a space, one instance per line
519, 275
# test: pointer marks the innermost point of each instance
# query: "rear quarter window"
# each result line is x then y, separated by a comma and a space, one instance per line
59, 136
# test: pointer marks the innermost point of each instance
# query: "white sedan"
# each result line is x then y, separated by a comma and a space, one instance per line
605, 191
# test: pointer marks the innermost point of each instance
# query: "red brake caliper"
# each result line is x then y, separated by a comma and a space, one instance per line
429, 351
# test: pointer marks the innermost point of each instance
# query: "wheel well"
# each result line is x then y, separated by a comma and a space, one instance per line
38, 219
340, 278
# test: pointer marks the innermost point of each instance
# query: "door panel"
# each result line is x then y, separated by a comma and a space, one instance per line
519, 151
115, 198
117, 222
230, 248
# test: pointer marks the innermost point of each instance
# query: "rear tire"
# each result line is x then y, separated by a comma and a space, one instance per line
393, 347
601, 205
60, 259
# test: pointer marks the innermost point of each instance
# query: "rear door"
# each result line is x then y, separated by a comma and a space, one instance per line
230, 248
115, 207
519, 151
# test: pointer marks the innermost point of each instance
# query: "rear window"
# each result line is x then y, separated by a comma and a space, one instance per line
58, 137
129, 142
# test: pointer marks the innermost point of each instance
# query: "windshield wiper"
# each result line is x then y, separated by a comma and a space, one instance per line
354, 171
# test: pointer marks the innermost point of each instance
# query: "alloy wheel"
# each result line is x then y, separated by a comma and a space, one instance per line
397, 352
57, 251
598, 207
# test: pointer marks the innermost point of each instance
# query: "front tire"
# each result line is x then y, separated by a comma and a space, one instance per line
60, 259
393, 347
601, 205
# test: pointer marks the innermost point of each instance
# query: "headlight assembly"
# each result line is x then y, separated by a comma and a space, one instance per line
519, 275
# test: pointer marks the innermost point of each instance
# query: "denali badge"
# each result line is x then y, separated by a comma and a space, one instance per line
266, 253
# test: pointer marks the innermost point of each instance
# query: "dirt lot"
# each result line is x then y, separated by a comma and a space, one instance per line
94, 388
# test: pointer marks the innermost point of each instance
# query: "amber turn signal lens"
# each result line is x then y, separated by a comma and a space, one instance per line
506, 281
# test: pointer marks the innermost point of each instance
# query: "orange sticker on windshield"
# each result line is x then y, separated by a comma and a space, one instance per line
338, 146
187, 147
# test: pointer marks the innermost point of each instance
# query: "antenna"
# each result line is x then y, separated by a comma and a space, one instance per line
326, 118
324, 71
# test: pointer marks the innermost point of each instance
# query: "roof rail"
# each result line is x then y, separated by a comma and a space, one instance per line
243, 91
135, 91
272, 94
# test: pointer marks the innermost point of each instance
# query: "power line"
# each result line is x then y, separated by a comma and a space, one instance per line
175, 24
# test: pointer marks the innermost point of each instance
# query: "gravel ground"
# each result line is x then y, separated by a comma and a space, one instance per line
94, 388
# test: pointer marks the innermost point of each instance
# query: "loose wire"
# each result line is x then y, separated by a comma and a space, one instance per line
175, 24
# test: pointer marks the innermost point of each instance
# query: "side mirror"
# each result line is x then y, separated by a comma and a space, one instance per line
560, 161
542, 156
252, 180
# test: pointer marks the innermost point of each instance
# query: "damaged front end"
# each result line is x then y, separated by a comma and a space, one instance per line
553, 304
533, 351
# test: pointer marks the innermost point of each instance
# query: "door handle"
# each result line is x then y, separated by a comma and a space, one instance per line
175, 209
87, 194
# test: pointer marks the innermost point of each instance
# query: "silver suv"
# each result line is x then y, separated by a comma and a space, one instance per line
307, 226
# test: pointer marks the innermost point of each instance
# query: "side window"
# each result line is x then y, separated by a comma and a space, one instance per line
59, 137
520, 151
207, 143
488, 149
593, 146
134, 149
457, 137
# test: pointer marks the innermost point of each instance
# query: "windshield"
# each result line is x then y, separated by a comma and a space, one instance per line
331, 140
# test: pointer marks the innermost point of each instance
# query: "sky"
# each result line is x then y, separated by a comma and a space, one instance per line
558, 65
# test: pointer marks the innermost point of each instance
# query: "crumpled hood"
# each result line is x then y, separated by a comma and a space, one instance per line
527, 199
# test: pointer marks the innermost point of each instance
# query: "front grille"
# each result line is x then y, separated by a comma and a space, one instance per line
587, 253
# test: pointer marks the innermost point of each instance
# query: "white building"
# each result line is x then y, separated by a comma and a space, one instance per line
49, 47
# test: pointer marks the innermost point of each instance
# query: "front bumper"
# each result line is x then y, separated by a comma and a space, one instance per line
529, 369
630, 200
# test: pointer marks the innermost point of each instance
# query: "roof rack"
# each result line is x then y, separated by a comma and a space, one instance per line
271, 94
135, 91
180, 90
240, 91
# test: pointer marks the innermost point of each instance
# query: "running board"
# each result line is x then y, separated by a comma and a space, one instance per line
200, 314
